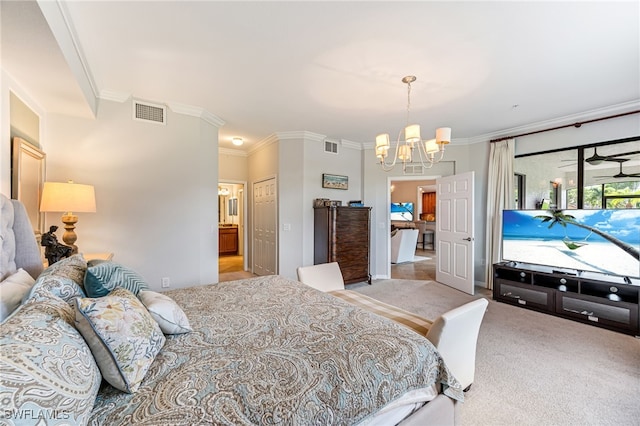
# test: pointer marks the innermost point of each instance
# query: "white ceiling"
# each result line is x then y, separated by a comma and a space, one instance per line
335, 68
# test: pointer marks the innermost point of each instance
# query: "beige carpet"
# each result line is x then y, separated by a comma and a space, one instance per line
532, 368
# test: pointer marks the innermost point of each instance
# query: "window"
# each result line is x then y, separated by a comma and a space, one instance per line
519, 188
605, 175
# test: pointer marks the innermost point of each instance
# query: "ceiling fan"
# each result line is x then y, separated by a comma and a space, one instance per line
621, 174
597, 159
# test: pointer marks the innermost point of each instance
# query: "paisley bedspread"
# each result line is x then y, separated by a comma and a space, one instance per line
269, 350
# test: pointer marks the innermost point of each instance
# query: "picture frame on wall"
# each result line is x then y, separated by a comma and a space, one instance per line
335, 181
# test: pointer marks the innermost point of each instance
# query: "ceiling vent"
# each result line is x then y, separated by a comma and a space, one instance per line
330, 146
144, 111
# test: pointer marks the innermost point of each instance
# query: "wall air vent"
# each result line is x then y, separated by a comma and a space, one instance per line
413, 169
330, 146
144, 111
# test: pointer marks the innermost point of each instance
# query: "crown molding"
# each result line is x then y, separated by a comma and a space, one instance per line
351, 144
269, 140
233, 152
281, 136
300, 135
540, 125
115, 96
196, 112
556, 122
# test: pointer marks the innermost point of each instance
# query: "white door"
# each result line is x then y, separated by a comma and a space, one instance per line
454, 233
264, 228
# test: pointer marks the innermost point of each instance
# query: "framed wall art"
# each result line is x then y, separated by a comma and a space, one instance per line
335, 181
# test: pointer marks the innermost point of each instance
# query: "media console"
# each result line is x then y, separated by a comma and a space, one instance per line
602, 300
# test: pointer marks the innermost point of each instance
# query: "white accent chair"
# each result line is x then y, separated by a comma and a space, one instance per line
455, 335
324, 276
403, 245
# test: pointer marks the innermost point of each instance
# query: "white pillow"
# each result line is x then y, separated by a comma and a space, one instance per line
12, 290
169, 316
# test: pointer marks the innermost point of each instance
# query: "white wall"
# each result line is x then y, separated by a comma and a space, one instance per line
347, 162
290, 206
600, 131
156, 190
7, 86
298, 160
233, 166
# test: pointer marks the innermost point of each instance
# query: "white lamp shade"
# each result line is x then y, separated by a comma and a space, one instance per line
412, 133
404, 153
443, 135
382, 141
431, 146
67, 197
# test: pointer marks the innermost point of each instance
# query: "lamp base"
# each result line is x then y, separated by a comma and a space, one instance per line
69, 237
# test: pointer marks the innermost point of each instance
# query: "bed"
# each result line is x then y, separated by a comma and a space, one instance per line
265, 350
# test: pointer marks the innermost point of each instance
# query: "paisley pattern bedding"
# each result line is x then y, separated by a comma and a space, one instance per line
269, 350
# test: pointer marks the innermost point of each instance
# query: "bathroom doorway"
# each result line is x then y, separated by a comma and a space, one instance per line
231, 229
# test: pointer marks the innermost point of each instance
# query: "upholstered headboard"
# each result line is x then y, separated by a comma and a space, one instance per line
19, 248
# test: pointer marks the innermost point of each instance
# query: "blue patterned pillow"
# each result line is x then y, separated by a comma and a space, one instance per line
73, 267
60, 286
46, 369
122, 335
104, 277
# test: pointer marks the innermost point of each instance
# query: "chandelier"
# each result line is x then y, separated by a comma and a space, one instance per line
412, 148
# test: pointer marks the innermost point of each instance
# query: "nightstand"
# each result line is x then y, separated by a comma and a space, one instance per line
99, 256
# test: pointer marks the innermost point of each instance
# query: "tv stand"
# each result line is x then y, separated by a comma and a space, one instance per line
602, 300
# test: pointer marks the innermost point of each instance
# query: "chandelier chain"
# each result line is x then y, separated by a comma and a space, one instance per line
408, 100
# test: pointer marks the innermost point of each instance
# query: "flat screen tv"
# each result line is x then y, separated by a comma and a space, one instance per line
402, 212
604, 241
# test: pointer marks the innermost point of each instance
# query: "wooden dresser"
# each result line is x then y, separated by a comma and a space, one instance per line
342, 234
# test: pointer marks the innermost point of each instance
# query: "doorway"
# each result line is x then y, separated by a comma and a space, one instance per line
231, 228
409, 191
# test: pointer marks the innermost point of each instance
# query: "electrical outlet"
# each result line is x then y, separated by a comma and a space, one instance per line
166, 282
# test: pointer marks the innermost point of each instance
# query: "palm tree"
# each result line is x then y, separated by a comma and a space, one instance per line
559, 217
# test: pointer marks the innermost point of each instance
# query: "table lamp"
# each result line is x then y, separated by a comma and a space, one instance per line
68, 198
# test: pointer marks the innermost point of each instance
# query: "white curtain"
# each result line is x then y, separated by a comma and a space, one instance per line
500, 196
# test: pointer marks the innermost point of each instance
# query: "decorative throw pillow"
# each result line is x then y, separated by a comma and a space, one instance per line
122, 335
169, 316
58, 285
12, 290
51, 302
100, 279
46, 369
73, 267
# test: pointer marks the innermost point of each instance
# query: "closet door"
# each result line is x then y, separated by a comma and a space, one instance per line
265, 213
